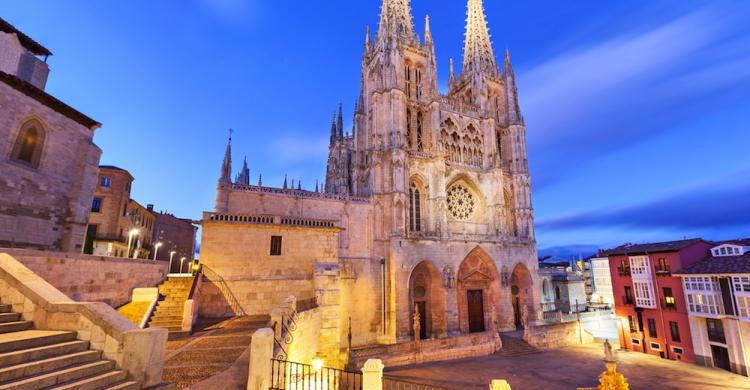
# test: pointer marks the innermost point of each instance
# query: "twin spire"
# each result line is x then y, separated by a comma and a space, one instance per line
479, 57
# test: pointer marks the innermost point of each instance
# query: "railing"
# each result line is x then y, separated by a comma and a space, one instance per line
623, 271
219, 281
457, 105
663, 270
269, 220
287, 375
628, 300
668, 306
548, 307
298, 193
391, 383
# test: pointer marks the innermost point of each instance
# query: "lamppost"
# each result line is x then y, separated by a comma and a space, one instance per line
156, 249
182, 260
171, 255
132, 233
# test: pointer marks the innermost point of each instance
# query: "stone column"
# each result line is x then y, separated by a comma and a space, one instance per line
327, 290
261, 353
372, 375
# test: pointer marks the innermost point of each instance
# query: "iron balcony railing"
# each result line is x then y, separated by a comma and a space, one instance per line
623, 270
664, 270
668, 306
286, 375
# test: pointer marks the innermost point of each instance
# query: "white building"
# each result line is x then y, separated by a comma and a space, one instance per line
602, 286
717, 290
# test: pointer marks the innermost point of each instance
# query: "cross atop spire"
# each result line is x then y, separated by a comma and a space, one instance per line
396, 20
478, 54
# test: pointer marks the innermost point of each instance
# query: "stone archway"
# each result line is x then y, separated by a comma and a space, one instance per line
478, 290
521, 295
427, 295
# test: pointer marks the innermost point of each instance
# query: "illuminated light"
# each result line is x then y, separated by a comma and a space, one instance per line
317, 363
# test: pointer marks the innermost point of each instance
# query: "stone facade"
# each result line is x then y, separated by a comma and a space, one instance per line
426, 204
175, 234
48, 160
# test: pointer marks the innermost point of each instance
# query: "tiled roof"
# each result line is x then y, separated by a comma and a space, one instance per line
48, 100
720, 265
669, 246
740, 242
112, 167
30, 44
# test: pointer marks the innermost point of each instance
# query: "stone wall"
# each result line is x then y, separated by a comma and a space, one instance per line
45, 207
92, 278
557, 335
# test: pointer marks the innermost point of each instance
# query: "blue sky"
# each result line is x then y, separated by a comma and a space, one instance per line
637, 112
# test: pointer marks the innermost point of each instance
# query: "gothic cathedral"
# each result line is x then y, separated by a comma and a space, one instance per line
426, 209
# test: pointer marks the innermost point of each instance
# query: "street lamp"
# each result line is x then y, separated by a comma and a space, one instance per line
171, 255
182, 260
132, 233
156, 249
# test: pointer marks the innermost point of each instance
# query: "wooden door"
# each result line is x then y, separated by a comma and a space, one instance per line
517, 312
422, 308
475, 300
721, 357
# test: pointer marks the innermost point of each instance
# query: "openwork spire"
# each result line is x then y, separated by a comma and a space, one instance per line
226, 166
478, 54
396, 20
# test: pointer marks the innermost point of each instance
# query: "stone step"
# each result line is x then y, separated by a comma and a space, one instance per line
43, 352
177, 334
27, 339
68, 374
164, 317
125, 386
15, 326
10, 317
95, 382
5, 308
165, 324
26, 369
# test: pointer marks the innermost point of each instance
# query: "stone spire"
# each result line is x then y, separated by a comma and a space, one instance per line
285, 184
514, 110
317, 189
244, 176
427, 33
478, 54
226, 166
452, 75
260, 180
334, 130
367, 39
396, 20
340, 122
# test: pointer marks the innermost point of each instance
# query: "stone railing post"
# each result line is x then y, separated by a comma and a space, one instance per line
144, 354
261, 353
498, 384
372, 375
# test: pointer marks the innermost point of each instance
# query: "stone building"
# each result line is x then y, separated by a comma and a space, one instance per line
48, 160
116, 221
426, 204
175, 235
563, 289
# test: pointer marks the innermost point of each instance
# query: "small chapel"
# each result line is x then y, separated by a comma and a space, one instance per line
425, 214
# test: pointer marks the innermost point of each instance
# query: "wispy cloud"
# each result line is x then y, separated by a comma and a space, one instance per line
622, 90
715, 205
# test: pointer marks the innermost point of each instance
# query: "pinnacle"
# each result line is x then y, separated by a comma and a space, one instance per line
478, 53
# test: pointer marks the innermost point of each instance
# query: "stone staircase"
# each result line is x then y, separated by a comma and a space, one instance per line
514, 345
169, 309
46, 359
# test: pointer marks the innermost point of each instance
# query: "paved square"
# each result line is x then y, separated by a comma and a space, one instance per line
569, 368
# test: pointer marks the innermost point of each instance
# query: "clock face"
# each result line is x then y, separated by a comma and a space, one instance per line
461, 202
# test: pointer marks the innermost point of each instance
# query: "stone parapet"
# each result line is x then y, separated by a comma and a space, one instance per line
139, 351
557, 335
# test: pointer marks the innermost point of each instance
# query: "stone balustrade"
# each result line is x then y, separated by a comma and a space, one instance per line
299, 193
269, 220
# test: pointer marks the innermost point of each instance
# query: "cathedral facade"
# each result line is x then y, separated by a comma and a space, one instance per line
426, 205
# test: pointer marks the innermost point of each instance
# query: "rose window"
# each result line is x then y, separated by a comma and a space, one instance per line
460, 202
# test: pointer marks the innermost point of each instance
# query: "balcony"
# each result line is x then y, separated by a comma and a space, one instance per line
668, 306
663, 270
628, 300
623, 270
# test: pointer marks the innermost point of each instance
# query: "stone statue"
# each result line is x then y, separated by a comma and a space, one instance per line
417, 324
609, 355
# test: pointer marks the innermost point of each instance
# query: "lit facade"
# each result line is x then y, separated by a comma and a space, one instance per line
602, 282
650, 305
718, 297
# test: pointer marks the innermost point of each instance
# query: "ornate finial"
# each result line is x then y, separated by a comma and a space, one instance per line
452, 76
427, 32
367, 38
230, 135
478, 54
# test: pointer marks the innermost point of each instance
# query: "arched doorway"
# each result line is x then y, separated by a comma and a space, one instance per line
478, 291
521, 294
427, 296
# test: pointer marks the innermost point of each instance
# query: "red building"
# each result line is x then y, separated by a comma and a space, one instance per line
649, 301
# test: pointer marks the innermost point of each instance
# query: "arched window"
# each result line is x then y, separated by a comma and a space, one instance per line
407, 71
418, 74
415, 208
419, 132
28, 147
408, 128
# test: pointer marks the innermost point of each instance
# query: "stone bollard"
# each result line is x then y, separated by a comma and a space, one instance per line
498, 384
261, 353
372, 375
